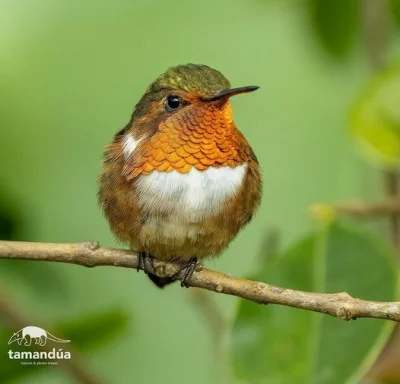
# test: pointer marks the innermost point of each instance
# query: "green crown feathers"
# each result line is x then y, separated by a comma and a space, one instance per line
197, 78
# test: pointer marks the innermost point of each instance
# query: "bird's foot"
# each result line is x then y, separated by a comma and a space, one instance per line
145, 260
189, 268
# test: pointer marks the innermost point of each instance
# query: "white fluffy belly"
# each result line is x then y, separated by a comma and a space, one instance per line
190, 197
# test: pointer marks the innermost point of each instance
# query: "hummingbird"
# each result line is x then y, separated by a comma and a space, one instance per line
180, 181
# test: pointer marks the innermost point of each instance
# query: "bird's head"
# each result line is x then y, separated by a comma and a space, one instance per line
183, 120
190, 93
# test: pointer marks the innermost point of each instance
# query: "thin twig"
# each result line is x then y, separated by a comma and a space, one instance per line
213, 316
392, 189
217, 324
386, 208
375, 17
340, 305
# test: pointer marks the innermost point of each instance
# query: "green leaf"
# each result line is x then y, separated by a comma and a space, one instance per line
94, 330
7, 226
394, 6
375, 119
335, 24
276, 344
28, 272
31, 273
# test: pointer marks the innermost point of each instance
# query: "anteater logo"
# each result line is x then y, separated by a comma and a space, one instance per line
30, 333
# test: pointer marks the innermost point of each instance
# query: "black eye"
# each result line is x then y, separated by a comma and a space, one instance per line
173, 103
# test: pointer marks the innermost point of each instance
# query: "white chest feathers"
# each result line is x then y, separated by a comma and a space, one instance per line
192, 196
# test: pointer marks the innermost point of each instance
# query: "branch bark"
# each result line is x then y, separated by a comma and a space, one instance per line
375, 19
386, 208
340, 305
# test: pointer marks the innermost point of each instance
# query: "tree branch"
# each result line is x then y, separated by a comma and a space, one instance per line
340, 305
389, 207
375, 19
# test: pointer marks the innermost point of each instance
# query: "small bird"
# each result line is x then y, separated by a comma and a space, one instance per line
180, 180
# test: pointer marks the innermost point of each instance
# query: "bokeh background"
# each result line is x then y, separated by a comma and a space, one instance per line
70, 75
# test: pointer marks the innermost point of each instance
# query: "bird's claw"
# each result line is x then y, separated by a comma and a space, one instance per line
144, 260
189, 268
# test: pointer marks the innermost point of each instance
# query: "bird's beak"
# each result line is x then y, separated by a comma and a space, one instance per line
226, 93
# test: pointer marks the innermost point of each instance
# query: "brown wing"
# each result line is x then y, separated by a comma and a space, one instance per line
117, 197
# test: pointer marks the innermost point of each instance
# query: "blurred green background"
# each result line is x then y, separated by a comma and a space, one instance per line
70, 75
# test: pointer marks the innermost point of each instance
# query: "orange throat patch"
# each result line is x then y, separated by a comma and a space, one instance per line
201, 136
